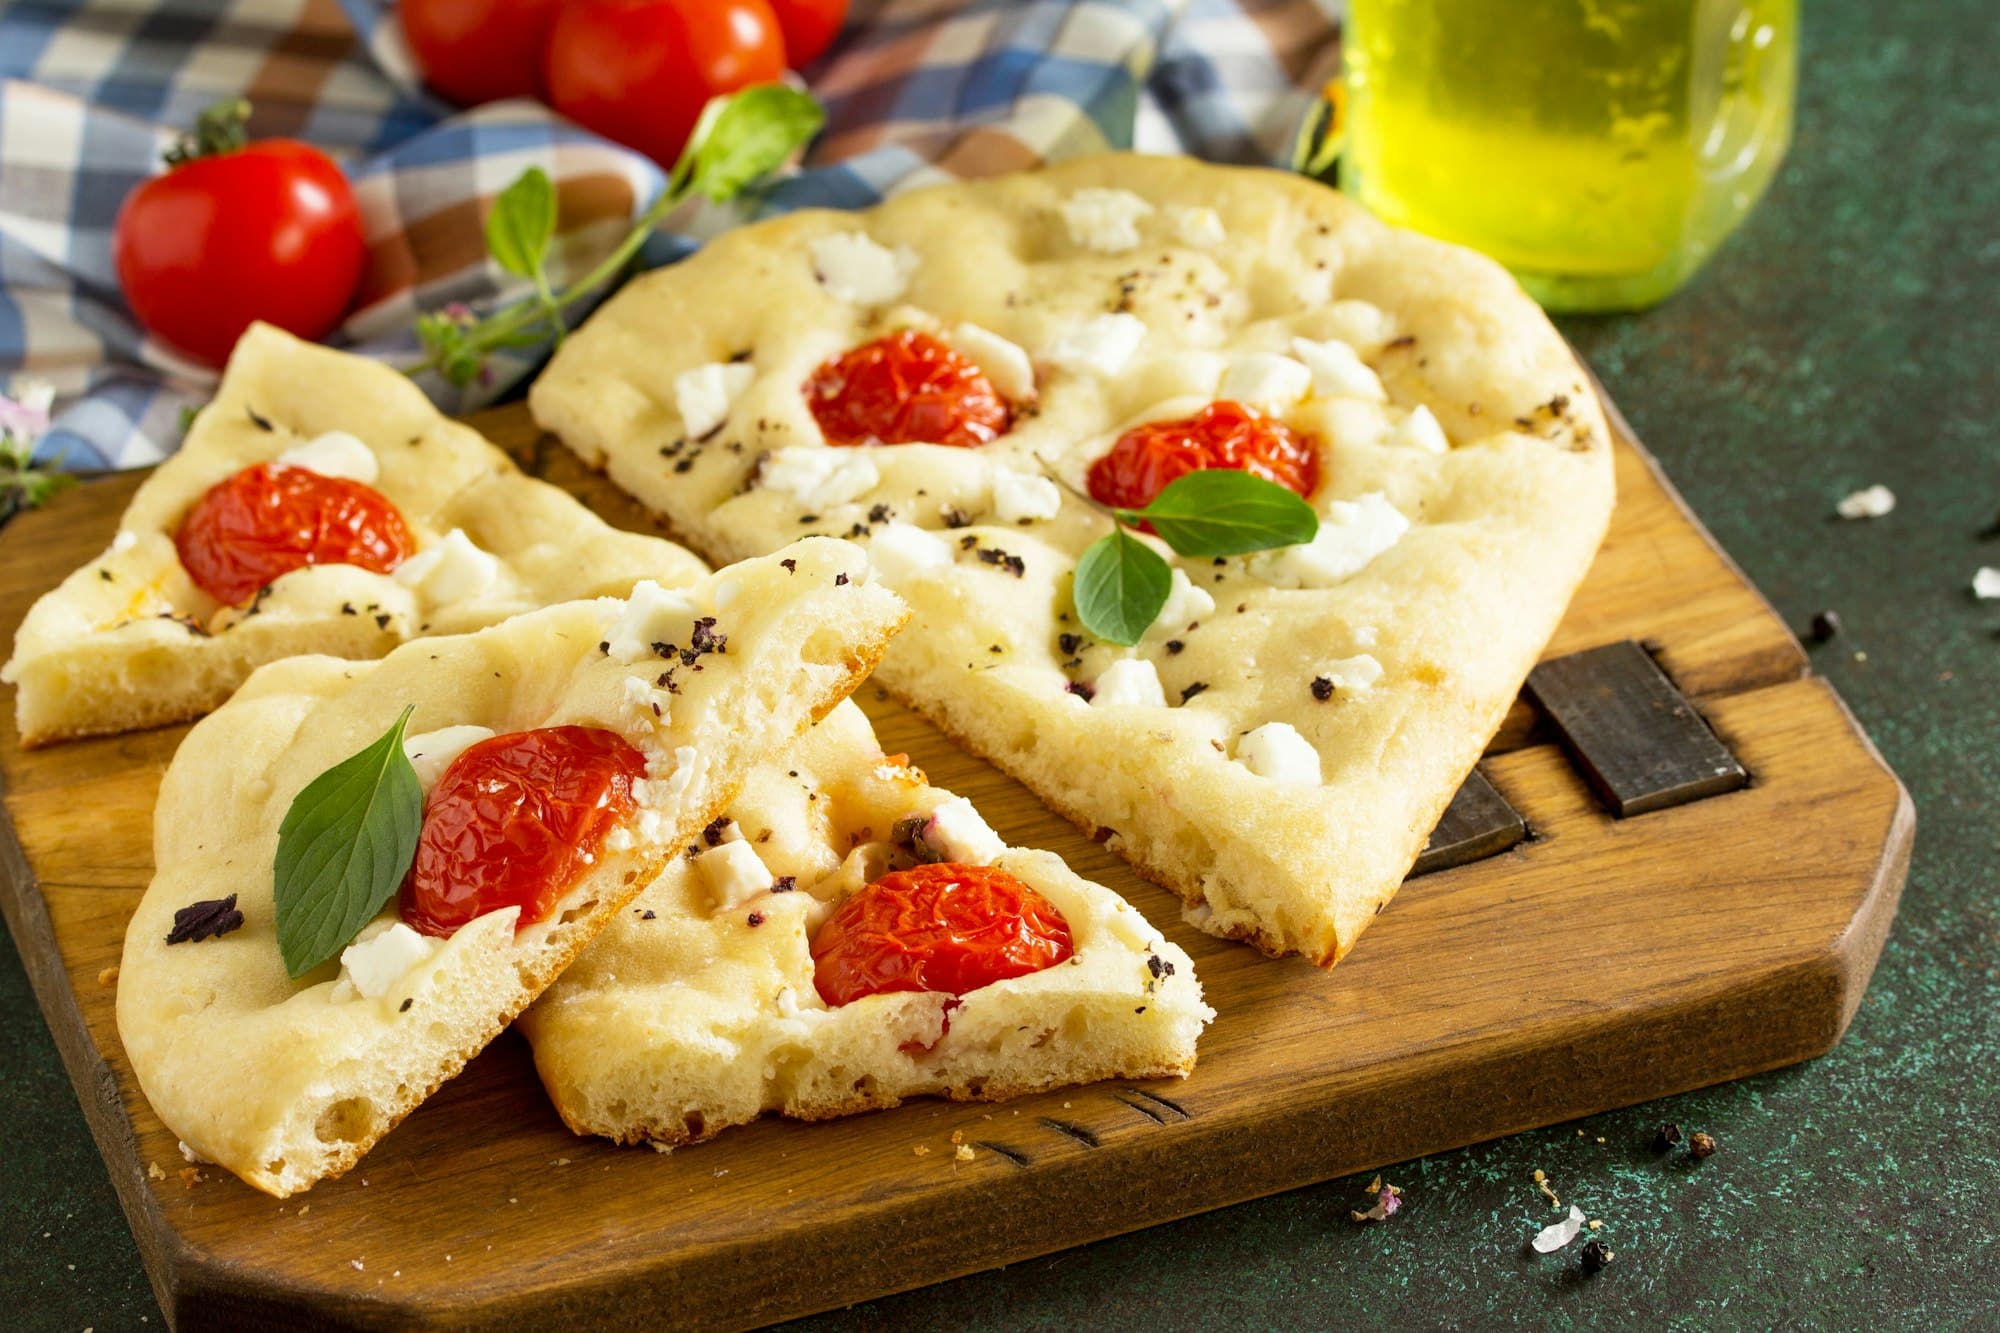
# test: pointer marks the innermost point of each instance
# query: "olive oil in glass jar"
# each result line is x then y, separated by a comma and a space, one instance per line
1601, 149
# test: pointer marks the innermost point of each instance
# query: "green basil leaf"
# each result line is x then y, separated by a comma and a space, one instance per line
1224, 511
1121, 584
522, 223
749, 134
343, 849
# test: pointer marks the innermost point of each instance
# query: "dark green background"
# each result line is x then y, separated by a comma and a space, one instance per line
1846, 336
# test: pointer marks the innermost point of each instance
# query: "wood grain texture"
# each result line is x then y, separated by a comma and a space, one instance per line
1597, 964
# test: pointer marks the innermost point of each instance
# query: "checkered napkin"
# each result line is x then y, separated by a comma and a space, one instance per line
916, 91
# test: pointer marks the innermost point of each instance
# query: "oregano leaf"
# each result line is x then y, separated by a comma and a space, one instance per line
343, 848
1121, 584
523, 223
747, 135
1225, 511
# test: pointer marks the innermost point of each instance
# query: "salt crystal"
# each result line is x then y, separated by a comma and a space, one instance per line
1553, 1238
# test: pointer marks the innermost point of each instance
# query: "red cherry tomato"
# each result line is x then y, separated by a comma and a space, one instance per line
269, 520
475, 51
515, 820
265, 232
947, 928
810, 27
907, 388
1224, 434
640, 71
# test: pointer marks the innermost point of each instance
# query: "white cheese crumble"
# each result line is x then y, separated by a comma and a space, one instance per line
1872, 502
1103, 346
124, 541
1199, 227
1130, 680
1338, 370
1185, 602
1351, 533
820, 475
1355, 322
652, 615
1106, 221
704, 395
1420, 430
1022, 495
957, 831
1986, 583
734, 874
431, 752
689, 765
1004, 364
375, 963
1277, 751
1265, 380
856, 268
903, 551
1364, 636
1351, 675
450, 570
334, 454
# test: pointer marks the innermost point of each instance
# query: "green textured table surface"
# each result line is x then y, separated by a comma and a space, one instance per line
1848, 335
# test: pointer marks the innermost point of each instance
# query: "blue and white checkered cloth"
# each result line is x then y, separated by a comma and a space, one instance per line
916, 91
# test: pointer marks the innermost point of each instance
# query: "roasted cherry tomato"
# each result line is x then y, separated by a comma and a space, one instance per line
269, 520
236, 233
514, 821
1225, 434
810, 27
475, 51
907, 388
947, 928
640, 71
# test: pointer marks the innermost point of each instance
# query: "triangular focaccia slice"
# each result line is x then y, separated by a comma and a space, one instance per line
287, 1082
698, 1008
131, 641
1280, 743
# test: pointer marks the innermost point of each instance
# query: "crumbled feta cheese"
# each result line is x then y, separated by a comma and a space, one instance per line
1106, 221
1986, 583
957, 831
1004, 364
652, 615
1198, 227
1103, 346
376, 963
1266, 380
1873, 502
1420, 430
1351, 675
856, 268
1364, 636
1130, 680
450, 570
124, 541
1277, 751
901, 552
689, 766
734, 874
1351, 533
1019, 495
820, 475
334, 454
1185, 602
1338, 370
431, 752
704, 395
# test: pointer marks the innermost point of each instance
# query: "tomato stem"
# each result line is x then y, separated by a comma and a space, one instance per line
220, 129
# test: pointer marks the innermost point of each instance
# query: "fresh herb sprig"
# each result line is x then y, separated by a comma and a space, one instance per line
739, 140
1122, 583
343, 849
23, 419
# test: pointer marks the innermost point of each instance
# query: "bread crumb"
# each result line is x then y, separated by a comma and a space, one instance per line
153, 1171
108, 975
964, 1153
1596, 1224
922, 1150
304, 1208
190, 1176
357, 1265
958, 1136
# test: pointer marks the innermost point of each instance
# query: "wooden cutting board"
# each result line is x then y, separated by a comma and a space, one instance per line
1600, 963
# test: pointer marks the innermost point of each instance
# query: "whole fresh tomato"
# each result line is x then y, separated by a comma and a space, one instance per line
236, 232
810, 27
640, 71
477, 51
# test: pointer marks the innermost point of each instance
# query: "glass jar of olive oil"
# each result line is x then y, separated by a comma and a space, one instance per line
1601, 149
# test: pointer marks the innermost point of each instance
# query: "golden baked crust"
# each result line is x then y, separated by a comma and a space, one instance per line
128, 641
1468, 418
686, 1017
287, 1082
